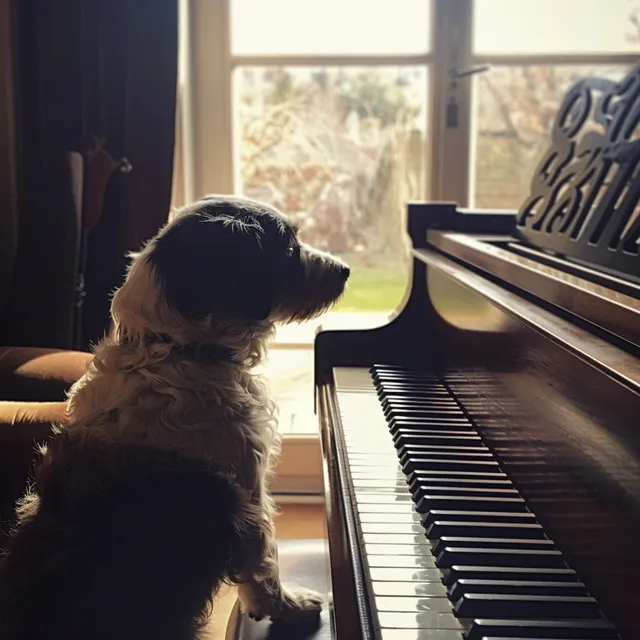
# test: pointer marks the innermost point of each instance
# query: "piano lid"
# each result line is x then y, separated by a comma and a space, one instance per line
583, 203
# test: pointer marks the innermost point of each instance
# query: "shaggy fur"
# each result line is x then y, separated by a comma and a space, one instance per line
155, 493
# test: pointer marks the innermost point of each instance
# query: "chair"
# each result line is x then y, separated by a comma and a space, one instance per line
33, 384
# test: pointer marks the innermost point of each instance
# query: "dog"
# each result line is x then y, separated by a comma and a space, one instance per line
155, 493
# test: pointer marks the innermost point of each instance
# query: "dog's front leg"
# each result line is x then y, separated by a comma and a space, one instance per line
260, 591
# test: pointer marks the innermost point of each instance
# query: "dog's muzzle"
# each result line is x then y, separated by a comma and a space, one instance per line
321, 283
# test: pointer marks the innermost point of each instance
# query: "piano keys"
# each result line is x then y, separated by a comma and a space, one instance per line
433, 572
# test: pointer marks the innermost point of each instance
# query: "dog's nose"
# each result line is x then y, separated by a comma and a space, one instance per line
345, 272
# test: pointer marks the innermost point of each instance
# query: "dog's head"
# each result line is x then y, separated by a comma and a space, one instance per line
242, 259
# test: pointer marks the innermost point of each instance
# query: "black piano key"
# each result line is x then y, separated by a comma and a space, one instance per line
439, 464
496, 605
382, 378
538, 574
391, 406
441, 528
515, 587
479, 452
387, 371
477, 516
413, 392
429, 502
439, 437
386, 375
482, 454
443, 454
413, 398
399, 397
483, 629
479, 556
419, 476
416, 422
452, 424
495, 543
408, 377
437, 440
391, 403
462, 483
451, 489
433, 414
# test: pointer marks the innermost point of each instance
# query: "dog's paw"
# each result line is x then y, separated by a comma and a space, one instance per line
293, 606
298, 605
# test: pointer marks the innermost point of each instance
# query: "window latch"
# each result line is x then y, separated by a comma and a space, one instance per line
454, 74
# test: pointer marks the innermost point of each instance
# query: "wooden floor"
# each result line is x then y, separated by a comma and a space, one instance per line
295, 521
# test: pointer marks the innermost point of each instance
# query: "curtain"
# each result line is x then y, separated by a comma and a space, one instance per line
100, 69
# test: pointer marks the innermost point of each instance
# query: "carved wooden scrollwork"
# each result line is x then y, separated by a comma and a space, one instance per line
584, 197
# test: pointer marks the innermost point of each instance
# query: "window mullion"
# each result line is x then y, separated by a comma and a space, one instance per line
517, 59
451, 102
210, 50
330, 60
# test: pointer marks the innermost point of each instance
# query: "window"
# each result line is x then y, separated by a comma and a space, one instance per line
329, 27
515, 106
568, 27
515, 102
330, 126
340, 150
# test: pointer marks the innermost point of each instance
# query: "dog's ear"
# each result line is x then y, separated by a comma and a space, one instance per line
208, 262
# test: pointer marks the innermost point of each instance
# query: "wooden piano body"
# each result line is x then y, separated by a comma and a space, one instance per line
531, 320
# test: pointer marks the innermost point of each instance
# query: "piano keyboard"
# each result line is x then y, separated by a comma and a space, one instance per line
449, 547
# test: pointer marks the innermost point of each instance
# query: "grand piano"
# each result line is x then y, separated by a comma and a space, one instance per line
482, 450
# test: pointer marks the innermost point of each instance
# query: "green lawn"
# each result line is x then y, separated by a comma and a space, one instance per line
373, 289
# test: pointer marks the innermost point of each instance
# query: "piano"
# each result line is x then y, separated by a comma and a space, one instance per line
482, 450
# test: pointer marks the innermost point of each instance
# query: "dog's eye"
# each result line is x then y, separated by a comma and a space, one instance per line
292, 251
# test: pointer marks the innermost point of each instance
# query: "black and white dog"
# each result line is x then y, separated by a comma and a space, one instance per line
155, 492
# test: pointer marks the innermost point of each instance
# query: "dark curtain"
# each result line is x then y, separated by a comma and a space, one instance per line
105, 68
40, 308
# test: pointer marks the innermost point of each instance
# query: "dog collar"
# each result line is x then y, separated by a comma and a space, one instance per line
197, 350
